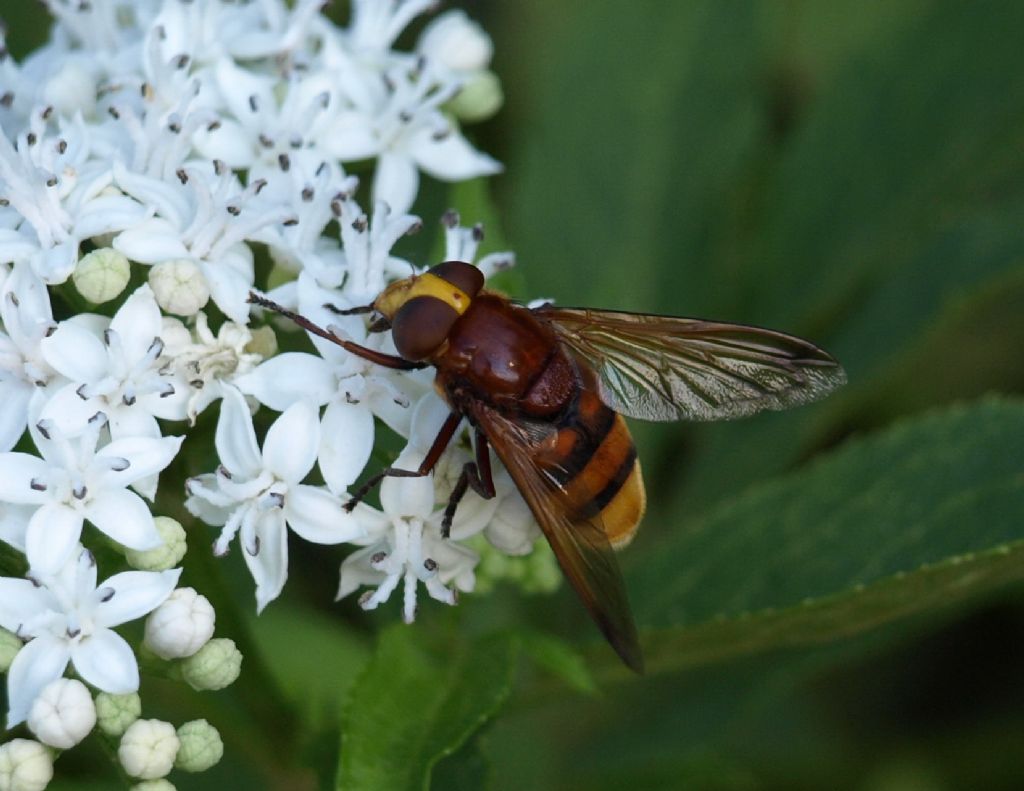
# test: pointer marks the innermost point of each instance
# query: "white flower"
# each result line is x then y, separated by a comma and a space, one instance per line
401, 124
353, 389
63, 714
181, 625
376, 24
67, 618
148, 749
59, 194
205, 216
367, 242
27, 319
25, 765
405, 543
74, 481
206, 361
118, 371
257, 494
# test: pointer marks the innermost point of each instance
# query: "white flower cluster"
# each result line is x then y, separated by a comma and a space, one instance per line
149, 154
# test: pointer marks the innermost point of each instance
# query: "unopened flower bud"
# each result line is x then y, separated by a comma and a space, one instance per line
148, 749
214, 666
181, 625
201, 746
101, 275
25, 765
10, 644
456, 42
114, 713
179, 286
480, 98
167, 555
160, 784
63, 714
263, 342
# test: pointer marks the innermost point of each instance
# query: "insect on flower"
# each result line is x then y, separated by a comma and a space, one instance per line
548, 387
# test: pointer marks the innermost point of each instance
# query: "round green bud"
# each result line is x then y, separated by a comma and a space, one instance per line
263, 343
201, 746
480, 98
101, 275
214, 666
10, 644
167, 555
160, 784
114, 713
179, 286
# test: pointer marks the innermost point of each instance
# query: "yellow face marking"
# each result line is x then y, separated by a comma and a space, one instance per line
425, 285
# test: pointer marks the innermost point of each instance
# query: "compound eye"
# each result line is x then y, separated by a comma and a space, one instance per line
421, 325
463, 276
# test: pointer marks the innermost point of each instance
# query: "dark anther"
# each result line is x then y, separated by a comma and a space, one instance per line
73, 633
365, 598
258, 185
307, 194
51, 182
223, 471
378, 557
80, 492
213, 126
478, 232
234, 211
360, 223
41, 427
114, 113
181, 61
290, 222
174, 126
47, 112
182, 175
80, 392
284, 161
128, 400
430, 564
265, 141
36, 485
253, 104
450, 218
7, 99
62, 146
255, 550
106, 594
119, 464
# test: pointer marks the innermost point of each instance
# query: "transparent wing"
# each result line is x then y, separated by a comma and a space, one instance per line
579, 542
669, 368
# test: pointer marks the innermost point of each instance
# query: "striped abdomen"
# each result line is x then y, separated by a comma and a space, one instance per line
594, 460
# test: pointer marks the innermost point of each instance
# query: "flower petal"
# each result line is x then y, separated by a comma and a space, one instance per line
137, 324
292, 442
318, 516
51, 537
14, 395
124, 516
135, 593
451, 158
39, 662
21, 601
151, 241
408, 497
17, 471
396, 181
346, 441
105, 660
282, 380
269, 564
75, 352
145, 456
236, 438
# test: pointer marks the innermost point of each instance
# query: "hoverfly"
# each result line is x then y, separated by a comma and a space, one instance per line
547, 389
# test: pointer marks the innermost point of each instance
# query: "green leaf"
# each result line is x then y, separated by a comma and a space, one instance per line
314, 658
415, 704
881, 505
846, 543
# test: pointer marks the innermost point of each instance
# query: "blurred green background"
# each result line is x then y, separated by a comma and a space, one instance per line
830, 597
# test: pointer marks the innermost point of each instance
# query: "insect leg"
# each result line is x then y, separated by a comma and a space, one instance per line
476, 474
380, 358
444, 436
348, 311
